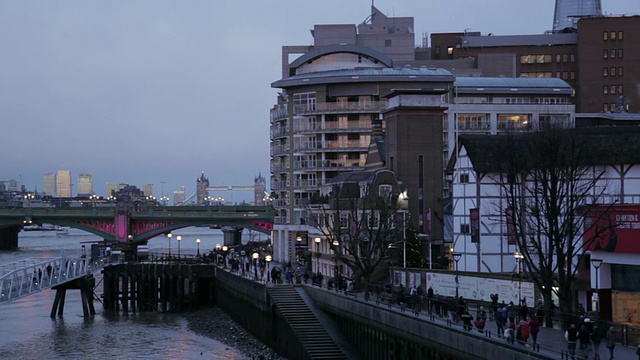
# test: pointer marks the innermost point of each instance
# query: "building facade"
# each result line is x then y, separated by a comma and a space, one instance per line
49, 184
63, 184
112, 188
567, 13
85, 184
479, 196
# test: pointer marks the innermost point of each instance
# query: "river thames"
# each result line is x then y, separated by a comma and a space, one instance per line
28, 331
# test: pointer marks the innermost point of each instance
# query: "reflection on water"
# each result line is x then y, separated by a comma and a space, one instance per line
28, 332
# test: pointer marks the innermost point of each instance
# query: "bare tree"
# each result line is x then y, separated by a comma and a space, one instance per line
359, 224
550, 182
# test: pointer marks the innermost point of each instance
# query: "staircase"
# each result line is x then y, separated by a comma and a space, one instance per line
305, 324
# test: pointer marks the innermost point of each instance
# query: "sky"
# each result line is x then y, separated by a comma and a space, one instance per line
157, 92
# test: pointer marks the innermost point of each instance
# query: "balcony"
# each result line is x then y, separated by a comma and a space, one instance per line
279, 150
279, 131
279, 113
278, 168
332, 145
327, 165
311, 183
280, 220
341, 107
333, 127
279, 185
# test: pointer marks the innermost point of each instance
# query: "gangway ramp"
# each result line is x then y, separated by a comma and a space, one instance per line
22, 278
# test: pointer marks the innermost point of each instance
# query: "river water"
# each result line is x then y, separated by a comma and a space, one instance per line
28, 332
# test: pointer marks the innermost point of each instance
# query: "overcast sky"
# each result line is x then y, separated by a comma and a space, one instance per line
145, 92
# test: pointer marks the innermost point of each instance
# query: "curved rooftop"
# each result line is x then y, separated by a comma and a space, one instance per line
342, 48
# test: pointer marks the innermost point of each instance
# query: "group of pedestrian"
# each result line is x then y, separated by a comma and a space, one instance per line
517, 330
587, 338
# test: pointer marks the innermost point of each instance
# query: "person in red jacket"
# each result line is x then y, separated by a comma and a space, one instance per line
524, 329
534, 329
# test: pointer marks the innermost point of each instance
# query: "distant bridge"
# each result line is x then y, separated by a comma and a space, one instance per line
133, 223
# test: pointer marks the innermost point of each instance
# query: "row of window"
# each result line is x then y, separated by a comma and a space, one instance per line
565, 75
612, 35
612, 71
612, 89
508, 121
606, 107
612, 53
546, 58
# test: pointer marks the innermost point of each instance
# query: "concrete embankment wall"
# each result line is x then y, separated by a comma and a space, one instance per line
407, 335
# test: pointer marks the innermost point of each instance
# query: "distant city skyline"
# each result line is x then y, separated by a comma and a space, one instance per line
155, 92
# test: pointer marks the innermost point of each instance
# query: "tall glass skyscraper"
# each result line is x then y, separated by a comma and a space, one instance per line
49, 184
568, 12
85, 184
63, 183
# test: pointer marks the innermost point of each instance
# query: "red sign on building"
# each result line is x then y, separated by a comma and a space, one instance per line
613, 229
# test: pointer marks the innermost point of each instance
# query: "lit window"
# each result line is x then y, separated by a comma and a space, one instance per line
619, 35
619, 70
613, 53
612, 35
605, 107
605, 35
612, 71
565, 57
558, 58
605, 72
612, 89
450, 50
605, 90
605, 54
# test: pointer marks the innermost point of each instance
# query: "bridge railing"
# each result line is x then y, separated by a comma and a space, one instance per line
25, 277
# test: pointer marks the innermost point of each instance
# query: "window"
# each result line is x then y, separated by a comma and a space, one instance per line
613, 106
344, 220
437, 51
513, 121
565, 57
605, 90
464, 228
558, 74
612, 89
619, 53
605, 107
605, 35
384, 190
464, 178
619, 70
620, 89
563, 120
612, 35
613, 53
572, 75
620, 35
565, 75
572, 57
605, 72
450, 50
605, 54
473, 122
391, 163
558, 58
387, 43
612, 71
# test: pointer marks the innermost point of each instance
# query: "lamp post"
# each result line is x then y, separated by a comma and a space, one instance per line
218, 249
268, 259
255, 264
596, 295
335, 244
178, 238
198, 244
164, 200
169, 235
403, 204
29, 197
242, 257
317, 241
224, 256
456, 258
208, 199
519, 258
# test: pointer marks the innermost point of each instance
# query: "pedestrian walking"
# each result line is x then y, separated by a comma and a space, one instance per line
584, 337
571, 335
500, 322
481, 319
534, 329
611, 341
511, 313
596, 338
467, 320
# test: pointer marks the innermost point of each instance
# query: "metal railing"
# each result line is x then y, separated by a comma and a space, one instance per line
25, 277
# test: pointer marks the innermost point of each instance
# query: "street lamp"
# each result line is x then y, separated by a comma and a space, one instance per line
596, 295
164, 200
317, 241
255, 264
29, 197
268, 259
178, 238
242, 256
224, 256
519, 258
198, 243
169, 235
335, 244
403, 202
456, 258
218, 248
